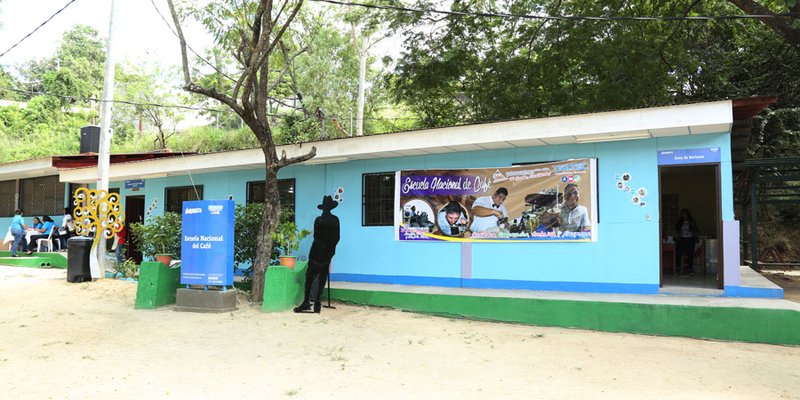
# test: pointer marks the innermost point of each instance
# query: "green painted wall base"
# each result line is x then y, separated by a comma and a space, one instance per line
284, 287
37, 260
741, 324
157, 285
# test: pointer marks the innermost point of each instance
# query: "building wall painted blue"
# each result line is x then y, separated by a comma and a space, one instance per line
624, 259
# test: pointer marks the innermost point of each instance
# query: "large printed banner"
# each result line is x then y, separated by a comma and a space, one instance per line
207, 245
540, 202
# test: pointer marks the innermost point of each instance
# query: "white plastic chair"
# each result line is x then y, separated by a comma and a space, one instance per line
9, 238
48, 242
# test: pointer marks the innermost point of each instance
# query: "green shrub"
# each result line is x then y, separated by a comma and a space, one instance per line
247, 226
127, 268
161, 235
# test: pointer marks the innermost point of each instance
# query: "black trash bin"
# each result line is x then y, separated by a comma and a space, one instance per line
79, 249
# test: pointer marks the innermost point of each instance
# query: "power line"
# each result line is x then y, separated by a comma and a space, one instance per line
180, 106
133, 103
189, 47
37, 28
556, 17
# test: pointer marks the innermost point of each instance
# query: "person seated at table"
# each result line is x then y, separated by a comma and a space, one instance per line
67, 229
44, 232
37, 224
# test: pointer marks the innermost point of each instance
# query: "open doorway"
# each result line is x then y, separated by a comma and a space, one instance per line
134, 212
694, 188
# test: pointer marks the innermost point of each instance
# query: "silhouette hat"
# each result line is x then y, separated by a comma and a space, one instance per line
327, 203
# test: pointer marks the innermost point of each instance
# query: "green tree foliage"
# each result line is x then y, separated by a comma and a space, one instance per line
788, 28
83, 53
152, 90
7, 81
75, 70
50, 124
776, 134
467, 69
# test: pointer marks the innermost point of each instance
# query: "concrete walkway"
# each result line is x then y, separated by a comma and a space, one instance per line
687, 297
675, 311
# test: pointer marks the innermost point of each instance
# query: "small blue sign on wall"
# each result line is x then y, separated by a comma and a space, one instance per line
134, 184
207, 243
689, 156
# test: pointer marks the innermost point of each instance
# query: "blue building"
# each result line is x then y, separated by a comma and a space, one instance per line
647, 164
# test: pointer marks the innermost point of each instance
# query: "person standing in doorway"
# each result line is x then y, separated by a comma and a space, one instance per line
326, 236
686, 229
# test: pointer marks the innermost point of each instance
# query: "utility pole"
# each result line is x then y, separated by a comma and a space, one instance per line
104, 152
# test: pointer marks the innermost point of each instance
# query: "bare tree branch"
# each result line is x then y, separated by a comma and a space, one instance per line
783, 26
283, 161
289, 60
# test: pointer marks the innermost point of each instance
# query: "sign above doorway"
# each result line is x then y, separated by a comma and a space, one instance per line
689, 156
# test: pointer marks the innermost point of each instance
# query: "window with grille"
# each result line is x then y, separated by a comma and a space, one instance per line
72, 188
41, 196
257, 191
175, 196
8, 189
377, 199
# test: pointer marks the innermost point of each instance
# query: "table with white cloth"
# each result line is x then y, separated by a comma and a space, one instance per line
9, 238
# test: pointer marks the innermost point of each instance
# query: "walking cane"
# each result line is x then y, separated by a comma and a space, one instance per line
329, 289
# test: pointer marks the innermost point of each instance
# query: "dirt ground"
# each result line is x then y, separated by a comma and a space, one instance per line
788, 280
86, 341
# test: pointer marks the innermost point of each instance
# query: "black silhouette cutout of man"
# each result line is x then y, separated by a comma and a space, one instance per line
326, 236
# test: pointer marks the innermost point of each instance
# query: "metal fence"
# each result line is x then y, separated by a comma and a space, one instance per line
8, 192
41, 196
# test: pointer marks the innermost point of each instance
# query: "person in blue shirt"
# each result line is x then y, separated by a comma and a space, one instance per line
18, 229
37, 223
44, 232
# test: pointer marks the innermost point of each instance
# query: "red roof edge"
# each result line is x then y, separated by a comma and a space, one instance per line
90, 159
749, 107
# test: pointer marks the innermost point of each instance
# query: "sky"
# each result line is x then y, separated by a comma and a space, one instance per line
139, 34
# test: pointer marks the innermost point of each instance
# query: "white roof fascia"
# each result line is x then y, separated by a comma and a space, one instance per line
711, 117
27, 169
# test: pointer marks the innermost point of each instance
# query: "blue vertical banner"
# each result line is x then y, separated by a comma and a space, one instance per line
207, 244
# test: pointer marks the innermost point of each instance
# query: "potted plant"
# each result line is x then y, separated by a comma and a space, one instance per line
285, 241
160, 238
247, 225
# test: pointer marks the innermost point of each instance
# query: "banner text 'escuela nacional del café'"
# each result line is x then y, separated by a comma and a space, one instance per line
538, 202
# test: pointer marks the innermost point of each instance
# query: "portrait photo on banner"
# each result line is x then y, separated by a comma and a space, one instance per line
554, 201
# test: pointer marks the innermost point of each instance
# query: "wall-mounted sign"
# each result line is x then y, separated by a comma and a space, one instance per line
689, 156
207, 243
134, 184
540, 202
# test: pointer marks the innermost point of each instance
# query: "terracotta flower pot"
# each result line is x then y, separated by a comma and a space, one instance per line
164, 258
288, 261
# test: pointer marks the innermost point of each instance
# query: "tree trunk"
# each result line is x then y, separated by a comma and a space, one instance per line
270, 218
785, 27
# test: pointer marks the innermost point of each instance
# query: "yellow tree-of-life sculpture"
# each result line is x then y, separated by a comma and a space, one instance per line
98, 212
